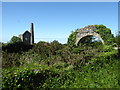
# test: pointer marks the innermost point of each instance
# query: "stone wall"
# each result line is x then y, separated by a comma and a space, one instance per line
27, 37
87, 31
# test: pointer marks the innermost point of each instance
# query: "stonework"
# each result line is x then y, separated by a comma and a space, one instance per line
32, 33
87, 31
28, 37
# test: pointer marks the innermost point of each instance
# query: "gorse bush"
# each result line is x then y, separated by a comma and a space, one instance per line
10, 59
18, 47
12, 52
20, 53
25, 78
99, 72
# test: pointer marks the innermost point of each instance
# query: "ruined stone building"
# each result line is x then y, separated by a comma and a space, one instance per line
28, 37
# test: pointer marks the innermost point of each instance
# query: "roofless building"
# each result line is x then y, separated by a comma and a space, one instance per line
28, 37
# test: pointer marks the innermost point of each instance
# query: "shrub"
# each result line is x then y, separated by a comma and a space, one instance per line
10, 59
71, 40
107, 48
15, 39
18, 47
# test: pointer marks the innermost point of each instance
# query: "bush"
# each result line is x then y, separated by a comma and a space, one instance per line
15, 39
33, 76
66, 70
107, 48
18, 47
10, 59
55, 46
71, 40
24, 79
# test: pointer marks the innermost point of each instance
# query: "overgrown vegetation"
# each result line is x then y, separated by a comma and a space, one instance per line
102, 30
106, 34
56, 65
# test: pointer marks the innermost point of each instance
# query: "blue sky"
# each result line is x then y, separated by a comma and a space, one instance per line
56, 20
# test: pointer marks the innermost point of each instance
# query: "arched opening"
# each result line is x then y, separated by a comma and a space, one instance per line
90, 41
88, 36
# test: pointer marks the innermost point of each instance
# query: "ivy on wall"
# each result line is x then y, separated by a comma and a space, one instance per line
104, 32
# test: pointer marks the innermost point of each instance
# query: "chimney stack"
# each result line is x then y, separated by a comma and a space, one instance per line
32, 33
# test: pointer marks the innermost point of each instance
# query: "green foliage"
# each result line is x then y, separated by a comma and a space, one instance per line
15, 39
11, 53
99, 72
107, 48
19, 53
42, 48
105, 34
25, 77
46, 49
10, 59
76, 50
71, 40
55, 46
18, 47
54, 65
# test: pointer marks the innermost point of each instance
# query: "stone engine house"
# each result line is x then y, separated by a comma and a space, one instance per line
28, 37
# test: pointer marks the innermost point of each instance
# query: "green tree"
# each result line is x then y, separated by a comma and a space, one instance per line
15, 39
105, 33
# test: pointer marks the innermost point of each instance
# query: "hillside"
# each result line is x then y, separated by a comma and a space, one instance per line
53, 65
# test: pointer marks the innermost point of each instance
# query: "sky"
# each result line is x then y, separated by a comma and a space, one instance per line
56, 20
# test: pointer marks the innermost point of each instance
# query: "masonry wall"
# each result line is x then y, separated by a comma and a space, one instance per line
27, 38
